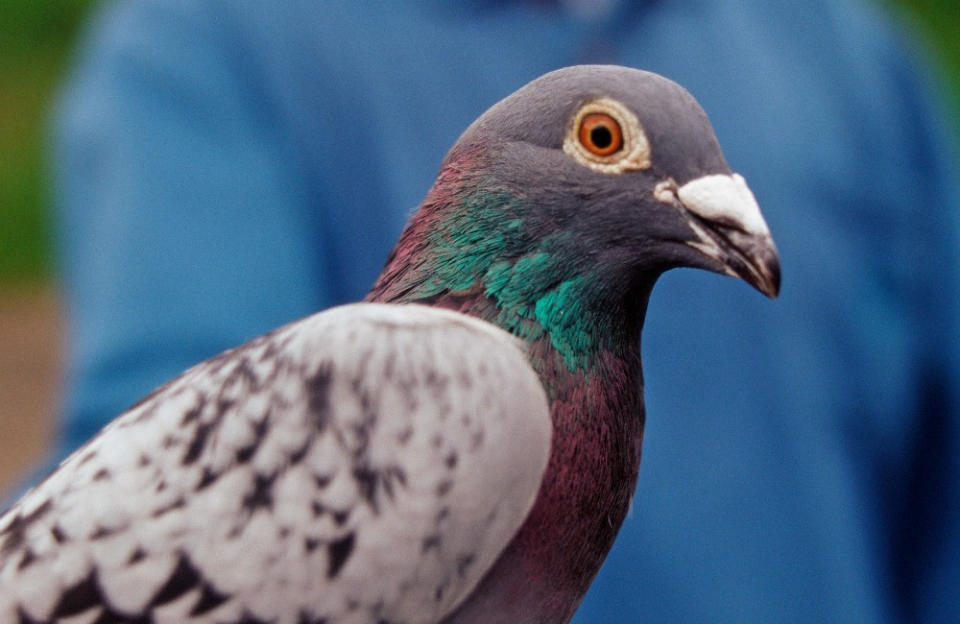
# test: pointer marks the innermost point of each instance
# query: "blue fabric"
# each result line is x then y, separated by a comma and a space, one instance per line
224, 167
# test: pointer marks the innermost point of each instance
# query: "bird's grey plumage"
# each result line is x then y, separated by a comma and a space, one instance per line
370, 459
673, 120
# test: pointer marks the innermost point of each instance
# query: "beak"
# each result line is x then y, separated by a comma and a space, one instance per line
730, 230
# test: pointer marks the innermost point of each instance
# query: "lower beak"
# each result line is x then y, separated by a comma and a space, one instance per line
730, 230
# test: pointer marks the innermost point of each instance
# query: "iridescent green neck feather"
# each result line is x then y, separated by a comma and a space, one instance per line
486, 248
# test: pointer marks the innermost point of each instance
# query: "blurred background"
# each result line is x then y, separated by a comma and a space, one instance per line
36, 39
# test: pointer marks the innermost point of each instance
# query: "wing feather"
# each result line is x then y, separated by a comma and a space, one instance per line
366, 463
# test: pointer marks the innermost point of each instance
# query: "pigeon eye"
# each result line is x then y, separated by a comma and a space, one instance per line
604, 135
600, 134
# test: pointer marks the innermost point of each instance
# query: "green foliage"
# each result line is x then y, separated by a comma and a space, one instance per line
35, 39
28, 24
937, 24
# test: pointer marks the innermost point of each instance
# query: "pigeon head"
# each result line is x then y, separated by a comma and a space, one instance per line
570, 197
627, 162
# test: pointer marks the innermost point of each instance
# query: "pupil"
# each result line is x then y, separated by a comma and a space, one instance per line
601, 137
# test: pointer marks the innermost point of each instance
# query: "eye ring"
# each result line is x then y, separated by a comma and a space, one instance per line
600, 134
606, 136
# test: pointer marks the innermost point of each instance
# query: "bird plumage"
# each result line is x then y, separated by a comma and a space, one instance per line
406, 440
391, 462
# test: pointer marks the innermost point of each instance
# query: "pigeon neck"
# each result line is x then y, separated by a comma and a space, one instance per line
476, 247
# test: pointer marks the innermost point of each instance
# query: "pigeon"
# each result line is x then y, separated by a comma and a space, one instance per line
461, 446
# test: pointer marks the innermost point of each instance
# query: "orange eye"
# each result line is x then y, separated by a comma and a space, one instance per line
600, 134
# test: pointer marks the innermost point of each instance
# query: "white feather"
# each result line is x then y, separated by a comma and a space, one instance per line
368, 462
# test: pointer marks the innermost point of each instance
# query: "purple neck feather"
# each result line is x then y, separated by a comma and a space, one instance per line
598, 420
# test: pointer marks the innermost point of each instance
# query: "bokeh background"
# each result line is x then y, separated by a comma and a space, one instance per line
36, 40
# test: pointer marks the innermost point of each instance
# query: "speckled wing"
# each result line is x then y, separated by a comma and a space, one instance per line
366, 464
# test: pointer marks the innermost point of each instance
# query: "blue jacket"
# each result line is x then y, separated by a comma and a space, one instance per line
223, 167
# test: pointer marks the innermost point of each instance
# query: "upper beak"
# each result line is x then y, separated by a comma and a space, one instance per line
730, 230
